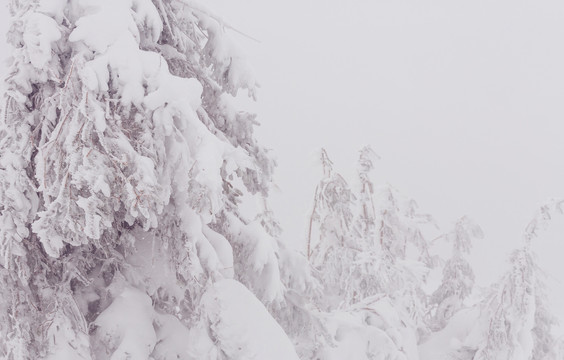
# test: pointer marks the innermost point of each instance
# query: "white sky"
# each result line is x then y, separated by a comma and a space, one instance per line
462, 99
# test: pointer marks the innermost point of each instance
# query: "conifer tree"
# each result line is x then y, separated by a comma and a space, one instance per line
122, 161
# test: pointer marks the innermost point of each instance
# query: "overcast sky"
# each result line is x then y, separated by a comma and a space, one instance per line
462, 99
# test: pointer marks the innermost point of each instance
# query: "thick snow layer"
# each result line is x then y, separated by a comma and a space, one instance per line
40, 32
127, 326
240, 325
150, 268
112, 13
259, 258
223, 250
53, 8
171, 339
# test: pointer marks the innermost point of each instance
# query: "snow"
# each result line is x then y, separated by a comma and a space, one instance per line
145, 13
127, 326
150, 269
72, 348
111, 14
226, 54
39, 34
172, 337
175, 91
241, 326
223, 250
258, 259
53, 8
115, 44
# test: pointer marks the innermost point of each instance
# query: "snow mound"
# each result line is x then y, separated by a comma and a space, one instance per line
241, 327
127, 326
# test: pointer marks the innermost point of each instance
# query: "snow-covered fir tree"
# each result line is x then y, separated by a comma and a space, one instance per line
122, 162
372, 273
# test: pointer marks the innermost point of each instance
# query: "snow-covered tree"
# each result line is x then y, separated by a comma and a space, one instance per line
329, 246
519, 323
458, 276
365, 248
122, 161
509, 335
378, 263
345, 250
332, 211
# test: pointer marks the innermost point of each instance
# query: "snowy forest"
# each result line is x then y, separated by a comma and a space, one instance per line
136, 220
